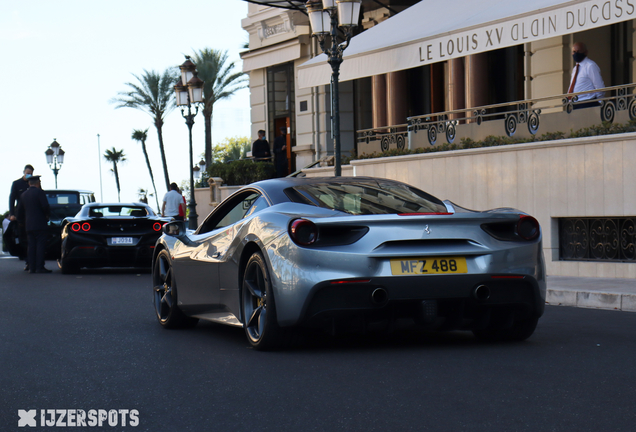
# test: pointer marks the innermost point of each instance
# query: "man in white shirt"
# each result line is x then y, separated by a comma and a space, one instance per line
586, 75
171, 202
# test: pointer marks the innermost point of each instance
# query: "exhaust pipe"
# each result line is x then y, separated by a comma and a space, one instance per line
482, 292
379, 296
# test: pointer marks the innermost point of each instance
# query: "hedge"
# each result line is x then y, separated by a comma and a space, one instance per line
240, 172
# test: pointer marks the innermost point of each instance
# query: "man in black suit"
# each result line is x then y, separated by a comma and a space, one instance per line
33, 212
260, 148
17, 188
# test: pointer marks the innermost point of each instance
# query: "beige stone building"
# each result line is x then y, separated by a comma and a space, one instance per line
423, 73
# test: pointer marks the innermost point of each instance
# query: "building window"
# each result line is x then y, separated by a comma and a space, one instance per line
597, 239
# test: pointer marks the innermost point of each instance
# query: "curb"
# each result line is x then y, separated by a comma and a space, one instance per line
593, 300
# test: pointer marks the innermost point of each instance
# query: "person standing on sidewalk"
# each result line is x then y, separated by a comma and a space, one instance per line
171, 202
33, 211
17, 189
182, 207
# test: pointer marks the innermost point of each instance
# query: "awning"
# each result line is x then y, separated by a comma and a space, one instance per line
433, 31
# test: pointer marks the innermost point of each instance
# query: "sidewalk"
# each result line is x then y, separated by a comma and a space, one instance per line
597, 293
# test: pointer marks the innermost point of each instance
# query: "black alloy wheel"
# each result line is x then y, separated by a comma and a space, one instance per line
67, 268
259, 310
165, 295
63, 262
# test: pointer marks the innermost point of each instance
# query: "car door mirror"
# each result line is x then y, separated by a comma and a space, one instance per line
175, 229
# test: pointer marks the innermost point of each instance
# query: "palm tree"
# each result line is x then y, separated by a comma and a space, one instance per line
154, 95
141, 136
221, 82
115, 156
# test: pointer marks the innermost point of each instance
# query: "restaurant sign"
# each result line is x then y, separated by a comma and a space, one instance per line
538, 26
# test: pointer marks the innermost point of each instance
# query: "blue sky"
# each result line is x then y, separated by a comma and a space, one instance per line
63, 61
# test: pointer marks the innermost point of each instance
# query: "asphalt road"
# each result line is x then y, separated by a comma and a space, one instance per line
91, 342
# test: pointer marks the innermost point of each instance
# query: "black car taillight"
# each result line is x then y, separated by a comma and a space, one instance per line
86, 226
528, 228
76, 227
157, 226
303, 232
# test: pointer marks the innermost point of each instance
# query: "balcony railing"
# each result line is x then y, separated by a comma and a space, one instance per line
448, 124
393, 136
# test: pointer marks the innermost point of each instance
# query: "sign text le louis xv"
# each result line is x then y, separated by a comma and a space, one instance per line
556, 22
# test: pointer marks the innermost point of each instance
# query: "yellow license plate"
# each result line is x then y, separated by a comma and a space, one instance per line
428, 265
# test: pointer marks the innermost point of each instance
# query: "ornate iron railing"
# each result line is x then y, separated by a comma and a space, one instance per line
597, 239
617, 98
389, 137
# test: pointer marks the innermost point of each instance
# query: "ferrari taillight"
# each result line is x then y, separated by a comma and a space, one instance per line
303, 232
525, 228
86, 226
528, 227
76, 227
157, 226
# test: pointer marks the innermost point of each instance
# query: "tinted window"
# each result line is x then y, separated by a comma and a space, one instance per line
233, 211
62, 198
238, 212
116, 211
257, 206
367, 198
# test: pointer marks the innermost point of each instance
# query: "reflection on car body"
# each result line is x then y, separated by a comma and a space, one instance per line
109, 235
350, 253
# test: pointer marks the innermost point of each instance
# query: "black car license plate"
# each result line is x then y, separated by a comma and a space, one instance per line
121, 241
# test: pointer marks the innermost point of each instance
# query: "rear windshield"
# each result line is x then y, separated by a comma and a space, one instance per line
110, 211
366, 198
62, 198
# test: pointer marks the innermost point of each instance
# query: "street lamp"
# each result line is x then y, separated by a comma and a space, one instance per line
189, 91
325, 17
55, 158
199, 169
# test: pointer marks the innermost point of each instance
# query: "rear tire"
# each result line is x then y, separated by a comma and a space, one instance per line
505, 327
165, 295
259, 307
67, 268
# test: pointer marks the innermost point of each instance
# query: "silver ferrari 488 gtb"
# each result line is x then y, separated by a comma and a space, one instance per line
353, 254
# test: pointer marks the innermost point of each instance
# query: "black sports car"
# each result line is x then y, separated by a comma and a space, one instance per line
110, 235
64, 203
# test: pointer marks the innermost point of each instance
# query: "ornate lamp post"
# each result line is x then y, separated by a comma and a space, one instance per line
325, 17
199, 169
190, 91
55, 158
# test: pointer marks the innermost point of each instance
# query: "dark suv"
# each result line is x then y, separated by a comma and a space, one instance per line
64, 203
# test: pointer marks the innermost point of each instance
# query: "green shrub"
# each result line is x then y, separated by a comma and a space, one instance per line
242, 172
